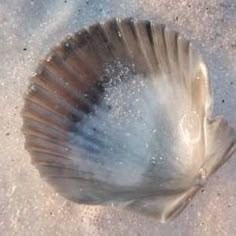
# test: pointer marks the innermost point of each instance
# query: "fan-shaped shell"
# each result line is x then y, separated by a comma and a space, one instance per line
118, 113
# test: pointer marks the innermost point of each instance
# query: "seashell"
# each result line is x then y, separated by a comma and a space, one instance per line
119, 114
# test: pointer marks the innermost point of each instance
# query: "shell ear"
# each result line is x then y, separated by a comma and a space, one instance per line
166, 207
220, 144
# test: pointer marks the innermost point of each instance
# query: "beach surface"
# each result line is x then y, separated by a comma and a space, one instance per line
28, 29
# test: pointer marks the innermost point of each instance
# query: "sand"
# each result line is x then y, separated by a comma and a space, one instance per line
28, 29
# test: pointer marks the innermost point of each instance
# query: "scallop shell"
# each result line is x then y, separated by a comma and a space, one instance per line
119, 114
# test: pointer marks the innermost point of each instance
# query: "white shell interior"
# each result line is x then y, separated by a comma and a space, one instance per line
142, 123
